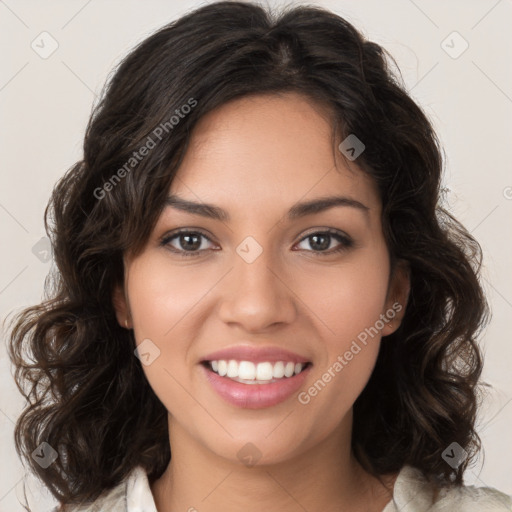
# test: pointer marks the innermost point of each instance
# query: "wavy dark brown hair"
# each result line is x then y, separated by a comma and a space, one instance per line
87, 393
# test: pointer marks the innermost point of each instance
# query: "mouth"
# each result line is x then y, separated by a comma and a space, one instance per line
248, 372
255, 385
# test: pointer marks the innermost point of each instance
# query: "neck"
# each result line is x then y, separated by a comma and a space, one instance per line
324, 477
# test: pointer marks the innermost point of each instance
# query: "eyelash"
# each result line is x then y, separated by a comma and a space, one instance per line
346, 242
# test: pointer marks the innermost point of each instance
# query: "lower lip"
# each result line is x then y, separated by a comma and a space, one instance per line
255, 396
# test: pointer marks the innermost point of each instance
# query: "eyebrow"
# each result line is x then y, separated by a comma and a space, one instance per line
297, 211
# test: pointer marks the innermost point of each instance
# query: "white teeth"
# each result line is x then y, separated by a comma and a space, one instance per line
249, 371
264, 371
246, 370
289, 369
223, 368
278, 370
232, 369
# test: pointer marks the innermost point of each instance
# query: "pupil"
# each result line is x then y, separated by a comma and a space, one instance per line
316, 245
188, 245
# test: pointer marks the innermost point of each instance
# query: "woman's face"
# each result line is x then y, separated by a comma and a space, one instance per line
265, 280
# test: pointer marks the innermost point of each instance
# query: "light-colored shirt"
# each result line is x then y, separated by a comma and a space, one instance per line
411, 493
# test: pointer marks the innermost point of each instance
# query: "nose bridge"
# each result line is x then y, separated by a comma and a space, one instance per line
257, 295
252, 269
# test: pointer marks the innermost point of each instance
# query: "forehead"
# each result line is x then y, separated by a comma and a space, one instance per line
268, 149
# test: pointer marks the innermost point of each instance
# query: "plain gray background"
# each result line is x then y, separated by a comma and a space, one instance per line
45, 102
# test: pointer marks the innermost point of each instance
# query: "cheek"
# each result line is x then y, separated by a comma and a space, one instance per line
348, 303
163, 302
347, 298
162, 295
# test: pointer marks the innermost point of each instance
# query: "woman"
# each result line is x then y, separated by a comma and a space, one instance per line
259, 302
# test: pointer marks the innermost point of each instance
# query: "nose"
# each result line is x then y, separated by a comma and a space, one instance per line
258, 295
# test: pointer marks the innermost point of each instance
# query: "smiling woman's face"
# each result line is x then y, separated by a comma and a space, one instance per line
261, 278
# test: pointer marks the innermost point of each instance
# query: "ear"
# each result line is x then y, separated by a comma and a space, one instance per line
121, 307
397, 297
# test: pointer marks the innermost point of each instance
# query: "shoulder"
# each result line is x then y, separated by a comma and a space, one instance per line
133, 494
413, 493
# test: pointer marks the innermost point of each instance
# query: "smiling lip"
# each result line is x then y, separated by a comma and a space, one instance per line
255, 354
255, 396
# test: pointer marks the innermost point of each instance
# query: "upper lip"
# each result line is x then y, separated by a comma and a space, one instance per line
255, 354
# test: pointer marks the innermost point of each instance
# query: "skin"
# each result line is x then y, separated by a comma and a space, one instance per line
256, 157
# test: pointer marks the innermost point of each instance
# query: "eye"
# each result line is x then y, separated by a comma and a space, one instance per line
189, 242
320, 241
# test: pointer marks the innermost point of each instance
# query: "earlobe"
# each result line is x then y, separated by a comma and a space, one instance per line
121, 308
398, 296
